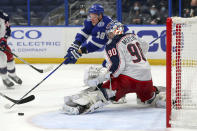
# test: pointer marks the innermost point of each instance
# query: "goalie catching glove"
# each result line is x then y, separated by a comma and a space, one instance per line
95, 75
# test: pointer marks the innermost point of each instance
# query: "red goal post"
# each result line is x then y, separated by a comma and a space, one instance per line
181, 72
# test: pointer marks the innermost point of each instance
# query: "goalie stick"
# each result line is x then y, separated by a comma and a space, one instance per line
21, 101
39, 70
30, 97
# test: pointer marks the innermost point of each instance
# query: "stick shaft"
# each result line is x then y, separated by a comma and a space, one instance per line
39, 83
164, 34
22, 101
39, 70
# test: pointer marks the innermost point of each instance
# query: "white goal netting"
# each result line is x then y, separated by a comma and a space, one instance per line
184, 72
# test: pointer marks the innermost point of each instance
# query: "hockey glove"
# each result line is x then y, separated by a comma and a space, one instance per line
3, 43
95, 75
72, 54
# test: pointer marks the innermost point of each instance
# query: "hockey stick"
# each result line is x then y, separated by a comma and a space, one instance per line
164, 34
21, 101
9, 107
39, 70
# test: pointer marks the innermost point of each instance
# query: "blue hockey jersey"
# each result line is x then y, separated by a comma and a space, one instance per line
98, 38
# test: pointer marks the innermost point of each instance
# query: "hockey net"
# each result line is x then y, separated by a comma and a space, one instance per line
181, 67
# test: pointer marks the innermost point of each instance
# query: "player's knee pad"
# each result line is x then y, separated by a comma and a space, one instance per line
3, 71
3, 60
11, 66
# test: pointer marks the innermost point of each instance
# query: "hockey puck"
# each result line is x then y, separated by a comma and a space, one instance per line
21, 114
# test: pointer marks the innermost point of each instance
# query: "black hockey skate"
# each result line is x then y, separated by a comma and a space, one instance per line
16, 79
8, 83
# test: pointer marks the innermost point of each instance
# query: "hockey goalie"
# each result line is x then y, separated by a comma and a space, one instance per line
127, 71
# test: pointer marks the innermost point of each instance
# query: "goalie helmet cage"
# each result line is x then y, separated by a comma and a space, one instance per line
181, 72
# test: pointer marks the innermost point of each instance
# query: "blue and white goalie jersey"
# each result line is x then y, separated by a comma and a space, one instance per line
125, 55
99, 38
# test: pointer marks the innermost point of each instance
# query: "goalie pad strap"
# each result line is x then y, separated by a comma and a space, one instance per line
103, 90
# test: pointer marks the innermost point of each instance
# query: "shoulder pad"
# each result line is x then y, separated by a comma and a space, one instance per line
107, 18
87, 23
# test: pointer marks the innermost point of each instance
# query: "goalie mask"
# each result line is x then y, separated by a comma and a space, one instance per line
114, 28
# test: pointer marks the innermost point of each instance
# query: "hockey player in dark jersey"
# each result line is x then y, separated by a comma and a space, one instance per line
127, 71
94, 26
7, 64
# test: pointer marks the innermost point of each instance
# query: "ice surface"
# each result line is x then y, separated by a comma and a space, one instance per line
43, 113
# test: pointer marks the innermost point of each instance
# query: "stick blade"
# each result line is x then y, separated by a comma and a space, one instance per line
27, 99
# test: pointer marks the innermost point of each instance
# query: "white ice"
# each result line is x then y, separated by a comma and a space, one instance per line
43, 113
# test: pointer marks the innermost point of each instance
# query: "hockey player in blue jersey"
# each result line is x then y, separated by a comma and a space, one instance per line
95, 26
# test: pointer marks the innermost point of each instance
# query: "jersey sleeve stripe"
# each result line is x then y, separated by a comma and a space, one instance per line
84, 34
96, 44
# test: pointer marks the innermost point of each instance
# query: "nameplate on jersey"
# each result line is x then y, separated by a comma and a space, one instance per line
128, 39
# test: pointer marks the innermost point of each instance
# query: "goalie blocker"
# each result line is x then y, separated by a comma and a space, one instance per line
127, 71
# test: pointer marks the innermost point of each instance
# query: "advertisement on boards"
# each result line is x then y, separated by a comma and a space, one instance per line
37, 42
52, 42
156, 37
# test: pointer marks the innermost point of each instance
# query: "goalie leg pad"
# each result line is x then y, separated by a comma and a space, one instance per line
70, 110
122, 100
160, 88
90, 98
158, 100
70, 107
95, 106
84, 102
